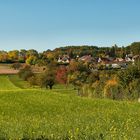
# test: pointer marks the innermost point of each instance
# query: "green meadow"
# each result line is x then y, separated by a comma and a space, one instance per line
58, 114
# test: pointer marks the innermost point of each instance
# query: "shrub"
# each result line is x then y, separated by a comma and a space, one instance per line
16, 66
129, 80
32, 80
132, 91
25, 72
111, 89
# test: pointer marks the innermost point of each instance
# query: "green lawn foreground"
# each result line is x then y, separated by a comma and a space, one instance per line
46, 114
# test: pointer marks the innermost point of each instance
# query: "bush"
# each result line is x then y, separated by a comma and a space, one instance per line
132, 91
16, 66
32, 80
129, 80
111, 89
25, 73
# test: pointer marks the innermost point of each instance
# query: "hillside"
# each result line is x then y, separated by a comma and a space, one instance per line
6, 84
36, 113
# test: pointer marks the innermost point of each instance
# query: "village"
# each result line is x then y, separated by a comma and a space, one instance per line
102, 63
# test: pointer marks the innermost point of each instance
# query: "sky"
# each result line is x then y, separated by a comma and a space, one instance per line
49, 24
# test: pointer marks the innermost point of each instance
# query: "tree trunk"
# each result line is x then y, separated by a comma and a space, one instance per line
50, 86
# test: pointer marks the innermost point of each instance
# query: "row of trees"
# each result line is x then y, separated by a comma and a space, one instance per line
113, 84
28, 56
32, 57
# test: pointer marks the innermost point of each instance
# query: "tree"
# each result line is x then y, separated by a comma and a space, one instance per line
73, 66
93, 77
128, 75
135, 48
47, 79
3, 56
13, 55
61, 75
129, 80
32, 52
113, 51
111, 89
25, 72
22, 55
31, 60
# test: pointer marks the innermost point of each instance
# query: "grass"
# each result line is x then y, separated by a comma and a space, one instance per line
34, 113
65, 89
6, 84
18, 82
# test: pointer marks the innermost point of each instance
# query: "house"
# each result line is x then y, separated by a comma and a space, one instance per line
99, 60
87, 58
115, 66
65, 59
105, 60
129, 58
119, 60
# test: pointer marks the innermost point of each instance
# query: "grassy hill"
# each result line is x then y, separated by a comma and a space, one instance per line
47, 114
6, 84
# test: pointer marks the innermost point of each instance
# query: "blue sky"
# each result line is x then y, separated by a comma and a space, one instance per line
47, 24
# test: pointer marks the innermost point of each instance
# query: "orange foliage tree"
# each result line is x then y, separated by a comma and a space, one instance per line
111, 89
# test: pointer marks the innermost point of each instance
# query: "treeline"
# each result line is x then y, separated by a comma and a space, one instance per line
33, 57
96, 51
114, 84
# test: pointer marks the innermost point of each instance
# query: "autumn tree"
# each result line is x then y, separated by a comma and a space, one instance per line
3, 56
47, 79
61, 75
25, 72
13, 55
111, 89
22, 55
31, 60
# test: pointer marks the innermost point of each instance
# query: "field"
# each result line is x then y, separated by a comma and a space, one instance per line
31, 113
6, 69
